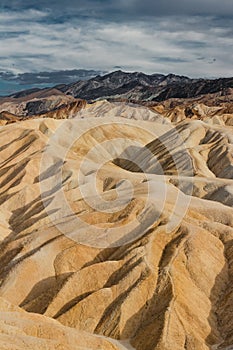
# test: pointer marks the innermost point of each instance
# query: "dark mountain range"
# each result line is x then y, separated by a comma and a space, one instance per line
140, 86
120, 84
136, 86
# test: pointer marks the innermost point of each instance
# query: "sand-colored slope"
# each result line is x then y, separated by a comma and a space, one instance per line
20, 330
127, 110
108, 249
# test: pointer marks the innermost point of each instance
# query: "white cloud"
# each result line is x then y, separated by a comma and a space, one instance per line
76, 43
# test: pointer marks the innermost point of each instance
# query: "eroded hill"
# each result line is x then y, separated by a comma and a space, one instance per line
116, 228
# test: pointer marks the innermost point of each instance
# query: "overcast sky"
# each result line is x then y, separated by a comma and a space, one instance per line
193, 38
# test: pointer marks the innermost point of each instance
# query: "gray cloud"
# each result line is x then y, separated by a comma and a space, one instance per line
170, 59
164, 36
10, 34
127, 8
180, 7
192, 44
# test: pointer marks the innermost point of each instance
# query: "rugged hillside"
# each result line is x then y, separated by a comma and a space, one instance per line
117, 229
48, 103
31, 102
52, 103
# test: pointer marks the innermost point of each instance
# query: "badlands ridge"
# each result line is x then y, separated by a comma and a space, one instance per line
116, 224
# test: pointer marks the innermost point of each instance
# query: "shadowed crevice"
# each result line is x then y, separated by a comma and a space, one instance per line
42, 294
220, 317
